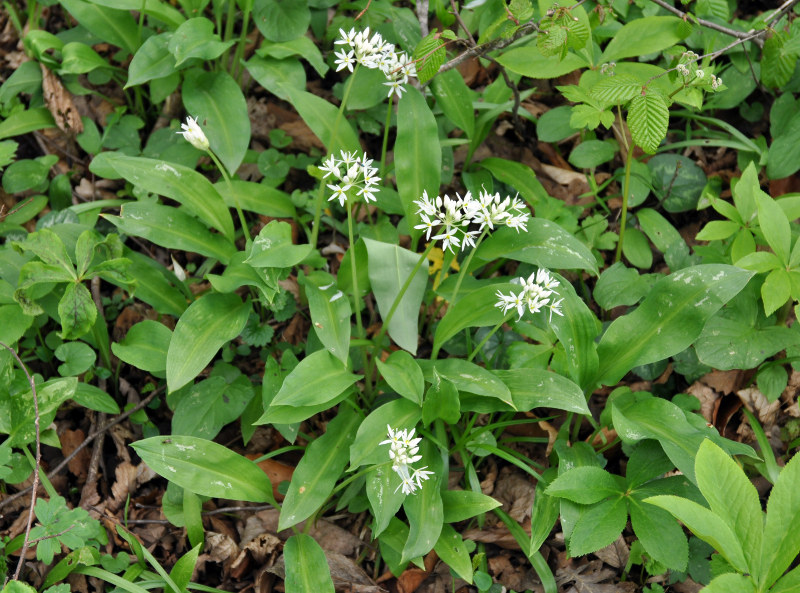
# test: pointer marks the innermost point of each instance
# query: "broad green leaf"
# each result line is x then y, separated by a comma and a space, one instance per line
273, 247
441, 401
400, 414
26, 78
205, 468
184, 185
660, 534
94, 398
281, 20
468, 376
477, 309
159, 9
543, 515
331, 127
279, 77
417, 154
385, 497
19, 424
585, 485
741, 343
115, 26
539, 388
460, 505
733, 498
50, 248
544, 244
669, 319
705, 525
317, 379
777, 65
300, 46
79, 58
319, 469
78, 357
13, 323
775, 226
648, 119
758, 261
451, 549
643, 36
590, 154
401, 371
202, 330
788, 583
217, 100
181, 572
156, 284
780, 545
424, 508
330, 314
238, 274
195, 38
26, 121
203, 408
598, 526
783, 158
77, 311
172, 228
731, 583
145, 346
617, 89
518, 176
152, 60
256, 197
453, 96
577, 331
389, 268
528, 61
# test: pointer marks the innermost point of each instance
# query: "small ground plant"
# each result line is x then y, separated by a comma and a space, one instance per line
433, 276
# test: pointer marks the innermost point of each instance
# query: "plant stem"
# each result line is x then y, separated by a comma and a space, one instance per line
242, 220
237, 56
385, 143
465, 265
486, 338
354, 273
321, 193
626, 186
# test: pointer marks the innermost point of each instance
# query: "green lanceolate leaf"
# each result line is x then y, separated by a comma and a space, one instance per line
669, 319
451, 549
460, 505
152, 60
202, 330
26, 121
775, 226
77, 311
585, 485
330, 314
273, 247
417, 153
477, 309
538, 388
205, 468
332, 128
780, 547
319, 469
195, 38
468, 376
306, 566
648, 119
643, 36
733, 498
401, 371
599, 526
319, 378
389, 268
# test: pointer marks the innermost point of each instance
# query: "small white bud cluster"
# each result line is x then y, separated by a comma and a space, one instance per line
683, 70
608, 68
375, 52
353, 173
715, 82
403, 452
454, 215
538, 292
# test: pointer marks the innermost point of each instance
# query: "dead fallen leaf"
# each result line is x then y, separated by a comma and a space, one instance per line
755, 401
59, 101
278, 472
78, 465
615, 554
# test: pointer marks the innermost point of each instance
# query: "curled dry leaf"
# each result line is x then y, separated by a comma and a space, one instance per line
59, 101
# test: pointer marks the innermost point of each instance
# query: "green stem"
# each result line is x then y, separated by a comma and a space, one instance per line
385, 144
626, 186
354, 272
242, 220
321, 193
231, 17
237, 57
486, 338
465, 265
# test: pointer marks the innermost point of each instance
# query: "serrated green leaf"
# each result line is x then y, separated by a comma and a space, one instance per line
616, 89
648, 119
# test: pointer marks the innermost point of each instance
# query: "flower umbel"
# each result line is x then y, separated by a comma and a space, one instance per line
538, 292
193, 134
352, 173
403, 452
453, 216
375, 52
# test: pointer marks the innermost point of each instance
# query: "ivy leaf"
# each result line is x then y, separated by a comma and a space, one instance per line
648, 117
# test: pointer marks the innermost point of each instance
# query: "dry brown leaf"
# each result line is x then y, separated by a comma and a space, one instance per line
587, 577
755, 401
516, 492
329, 536
615, 554
278, 472
78, 465
220, 547
708, 399
789, 395
59, 101
724, 382
347, 576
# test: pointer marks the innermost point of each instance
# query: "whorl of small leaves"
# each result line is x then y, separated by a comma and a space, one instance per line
429, 56
648, 118
777, 64
616, 89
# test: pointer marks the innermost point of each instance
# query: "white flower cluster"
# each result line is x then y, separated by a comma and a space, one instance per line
715, 82
352, 172
455, 215
608, 68
403, 452
193, 134
538, 292
375, 52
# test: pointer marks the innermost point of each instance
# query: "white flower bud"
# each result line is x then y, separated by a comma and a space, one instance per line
194, 134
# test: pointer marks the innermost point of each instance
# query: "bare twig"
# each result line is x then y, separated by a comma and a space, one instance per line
422, 17
35, 485
122, 417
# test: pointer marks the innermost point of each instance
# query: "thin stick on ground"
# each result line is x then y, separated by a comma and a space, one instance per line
87, 441
35, 485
